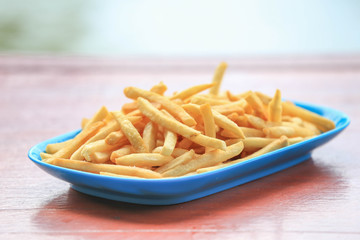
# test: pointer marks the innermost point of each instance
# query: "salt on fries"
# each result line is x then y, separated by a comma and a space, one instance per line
187, 133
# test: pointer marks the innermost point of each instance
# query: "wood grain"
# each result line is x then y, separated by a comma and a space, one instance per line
41, 97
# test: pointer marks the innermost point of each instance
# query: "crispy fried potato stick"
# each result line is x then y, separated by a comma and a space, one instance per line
182, 159
170, 138
99, 116
173, 108
79, 140
217, 79
252, 144
54, 147
176, 153
150, 135
143, 159
276, 144
191, 91
206, 160
322, 123
101, 167
131, 133
209, 123
124, 150
200, 99
290, 130
161, 119
255, 102
159, 88
275, 108
221, 120
89, 150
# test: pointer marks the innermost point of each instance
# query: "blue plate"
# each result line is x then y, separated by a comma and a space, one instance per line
183, 189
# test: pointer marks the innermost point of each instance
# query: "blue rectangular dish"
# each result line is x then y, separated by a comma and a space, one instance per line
183, 189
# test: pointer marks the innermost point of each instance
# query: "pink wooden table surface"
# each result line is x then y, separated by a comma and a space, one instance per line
42, 97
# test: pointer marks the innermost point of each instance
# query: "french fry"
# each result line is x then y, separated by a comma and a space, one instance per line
209, 123
191, 91
149, 135
143, 159
206, 160
158, 117
289, 131
217, 79
124, 150
159, 88
131, 133
170, 139
89, 150
275, 108
200, 99
54, 147
174, 109
221, 120
99, 116
182, 159
176, 153
256, 104
322, 123
101, 167
79, 140
277, 144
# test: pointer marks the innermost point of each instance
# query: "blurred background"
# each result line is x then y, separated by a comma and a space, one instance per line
180, 28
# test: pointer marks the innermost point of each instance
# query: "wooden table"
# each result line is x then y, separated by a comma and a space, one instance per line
42, 97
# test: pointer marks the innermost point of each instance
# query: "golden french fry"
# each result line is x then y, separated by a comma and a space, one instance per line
45, 155
265, 99
209, 123
200, 99
170, 139
182, 159
124, 150
191, 91
221, 120
79, 140
101, 167
143, 159
217, 79
256, 104
99, 116
52, 148
89, 150
176, 153
150, 135
129, 107
252, 144
289, 131
185, 143
131, 133
161, 119
275, 108
322, 123
173, 108
169, 143
159, 88
276, 144
206, 160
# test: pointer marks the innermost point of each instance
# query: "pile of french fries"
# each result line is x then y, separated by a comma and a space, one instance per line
187, 133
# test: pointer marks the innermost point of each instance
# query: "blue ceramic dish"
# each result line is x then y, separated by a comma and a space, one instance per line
183, 189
